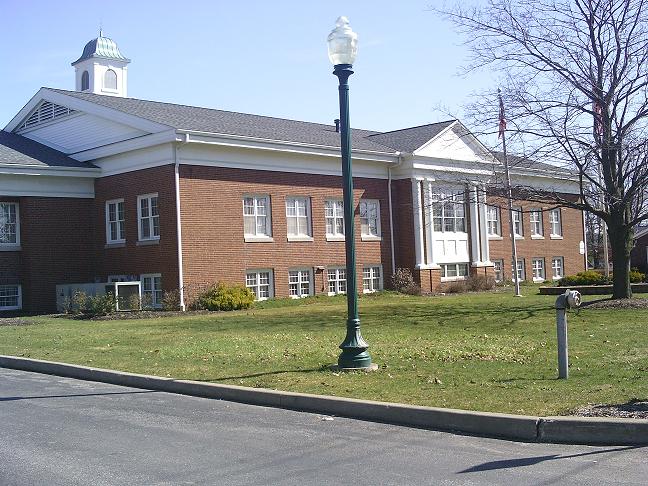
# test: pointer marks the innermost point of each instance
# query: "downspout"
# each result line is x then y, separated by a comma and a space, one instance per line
176, 148
391, 212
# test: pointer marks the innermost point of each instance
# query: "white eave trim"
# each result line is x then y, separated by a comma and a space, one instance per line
126, 146
50, 171
241, 141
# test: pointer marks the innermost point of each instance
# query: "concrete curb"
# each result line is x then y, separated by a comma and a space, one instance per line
572, 430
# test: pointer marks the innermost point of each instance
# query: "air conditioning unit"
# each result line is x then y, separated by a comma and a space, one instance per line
128, 295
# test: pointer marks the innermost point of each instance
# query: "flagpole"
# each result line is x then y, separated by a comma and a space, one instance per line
509, 197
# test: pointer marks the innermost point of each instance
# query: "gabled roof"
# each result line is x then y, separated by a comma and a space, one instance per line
410, 139
517, 162
192, 118
21, 151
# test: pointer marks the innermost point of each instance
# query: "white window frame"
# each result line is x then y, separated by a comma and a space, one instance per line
499, 263
537, 227
121, 226
256, 286
291, 204
521, 270
12, 245
264, 235
371, 279
454, 269
151, 218
553, 222
337, 281
156, 294
444, 212
18, 300
302, 276
555, 267
538, 269
336, 207
493, 223
365, 232
518, 219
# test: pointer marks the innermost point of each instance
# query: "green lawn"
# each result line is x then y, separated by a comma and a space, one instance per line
488, 351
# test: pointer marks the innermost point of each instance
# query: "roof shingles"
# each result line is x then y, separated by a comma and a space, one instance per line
21, 151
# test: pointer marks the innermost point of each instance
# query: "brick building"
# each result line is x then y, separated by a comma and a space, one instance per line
98, 187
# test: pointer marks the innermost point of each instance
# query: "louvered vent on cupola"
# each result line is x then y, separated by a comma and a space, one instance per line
45, 112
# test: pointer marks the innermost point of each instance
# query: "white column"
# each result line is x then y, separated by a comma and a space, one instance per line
418, 222
429, 230
483, 229
474, 225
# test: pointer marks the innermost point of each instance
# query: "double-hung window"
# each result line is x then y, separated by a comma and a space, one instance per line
115, 221
334, 214
371, 279
370, 218
557, 267
520, 269
9, 225
260, 282
148, 217
336, 281
299, 283
538, 267
498, 270
10, 297
518, 227
555, 223
535, 219
493, 222
449, 212
151, 290
256, 217
298, 217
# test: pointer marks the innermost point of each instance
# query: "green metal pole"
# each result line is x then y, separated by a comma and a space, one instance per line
354, 347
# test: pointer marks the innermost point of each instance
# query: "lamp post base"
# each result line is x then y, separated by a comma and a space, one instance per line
337, 367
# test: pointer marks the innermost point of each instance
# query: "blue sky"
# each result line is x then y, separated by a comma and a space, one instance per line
253, 56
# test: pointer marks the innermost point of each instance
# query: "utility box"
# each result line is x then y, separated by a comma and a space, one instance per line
128, 295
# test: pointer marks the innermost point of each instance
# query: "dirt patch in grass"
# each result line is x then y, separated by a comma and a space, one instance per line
14, 321
617, 304
145, 314
636, 409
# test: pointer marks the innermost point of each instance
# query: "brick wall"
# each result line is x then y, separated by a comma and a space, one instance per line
133, 257
55, 238
638, 257
568, 247
212, 226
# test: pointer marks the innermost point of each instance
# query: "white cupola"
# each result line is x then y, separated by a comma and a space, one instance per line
101, 69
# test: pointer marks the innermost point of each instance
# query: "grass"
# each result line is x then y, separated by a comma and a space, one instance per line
488, 351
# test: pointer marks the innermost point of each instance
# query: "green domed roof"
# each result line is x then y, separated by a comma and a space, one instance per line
103, 47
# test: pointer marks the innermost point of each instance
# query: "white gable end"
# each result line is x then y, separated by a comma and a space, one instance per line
80, 131
450, 145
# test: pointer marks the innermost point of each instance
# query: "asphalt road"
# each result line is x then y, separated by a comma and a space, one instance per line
60, 431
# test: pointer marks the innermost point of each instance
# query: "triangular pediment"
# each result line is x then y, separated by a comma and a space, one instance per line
455, 143
70, 125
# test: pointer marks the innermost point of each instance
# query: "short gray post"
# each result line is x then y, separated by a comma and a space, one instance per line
563, 358
571, 298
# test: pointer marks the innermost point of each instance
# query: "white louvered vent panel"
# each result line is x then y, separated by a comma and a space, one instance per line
45, 112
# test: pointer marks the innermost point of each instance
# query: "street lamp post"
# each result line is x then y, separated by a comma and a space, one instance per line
342, 49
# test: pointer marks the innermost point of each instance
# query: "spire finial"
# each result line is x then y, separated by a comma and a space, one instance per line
100, 29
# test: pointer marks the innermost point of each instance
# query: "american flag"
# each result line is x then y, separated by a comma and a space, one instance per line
502, 118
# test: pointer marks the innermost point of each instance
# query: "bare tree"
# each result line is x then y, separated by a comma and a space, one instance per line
576, 92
